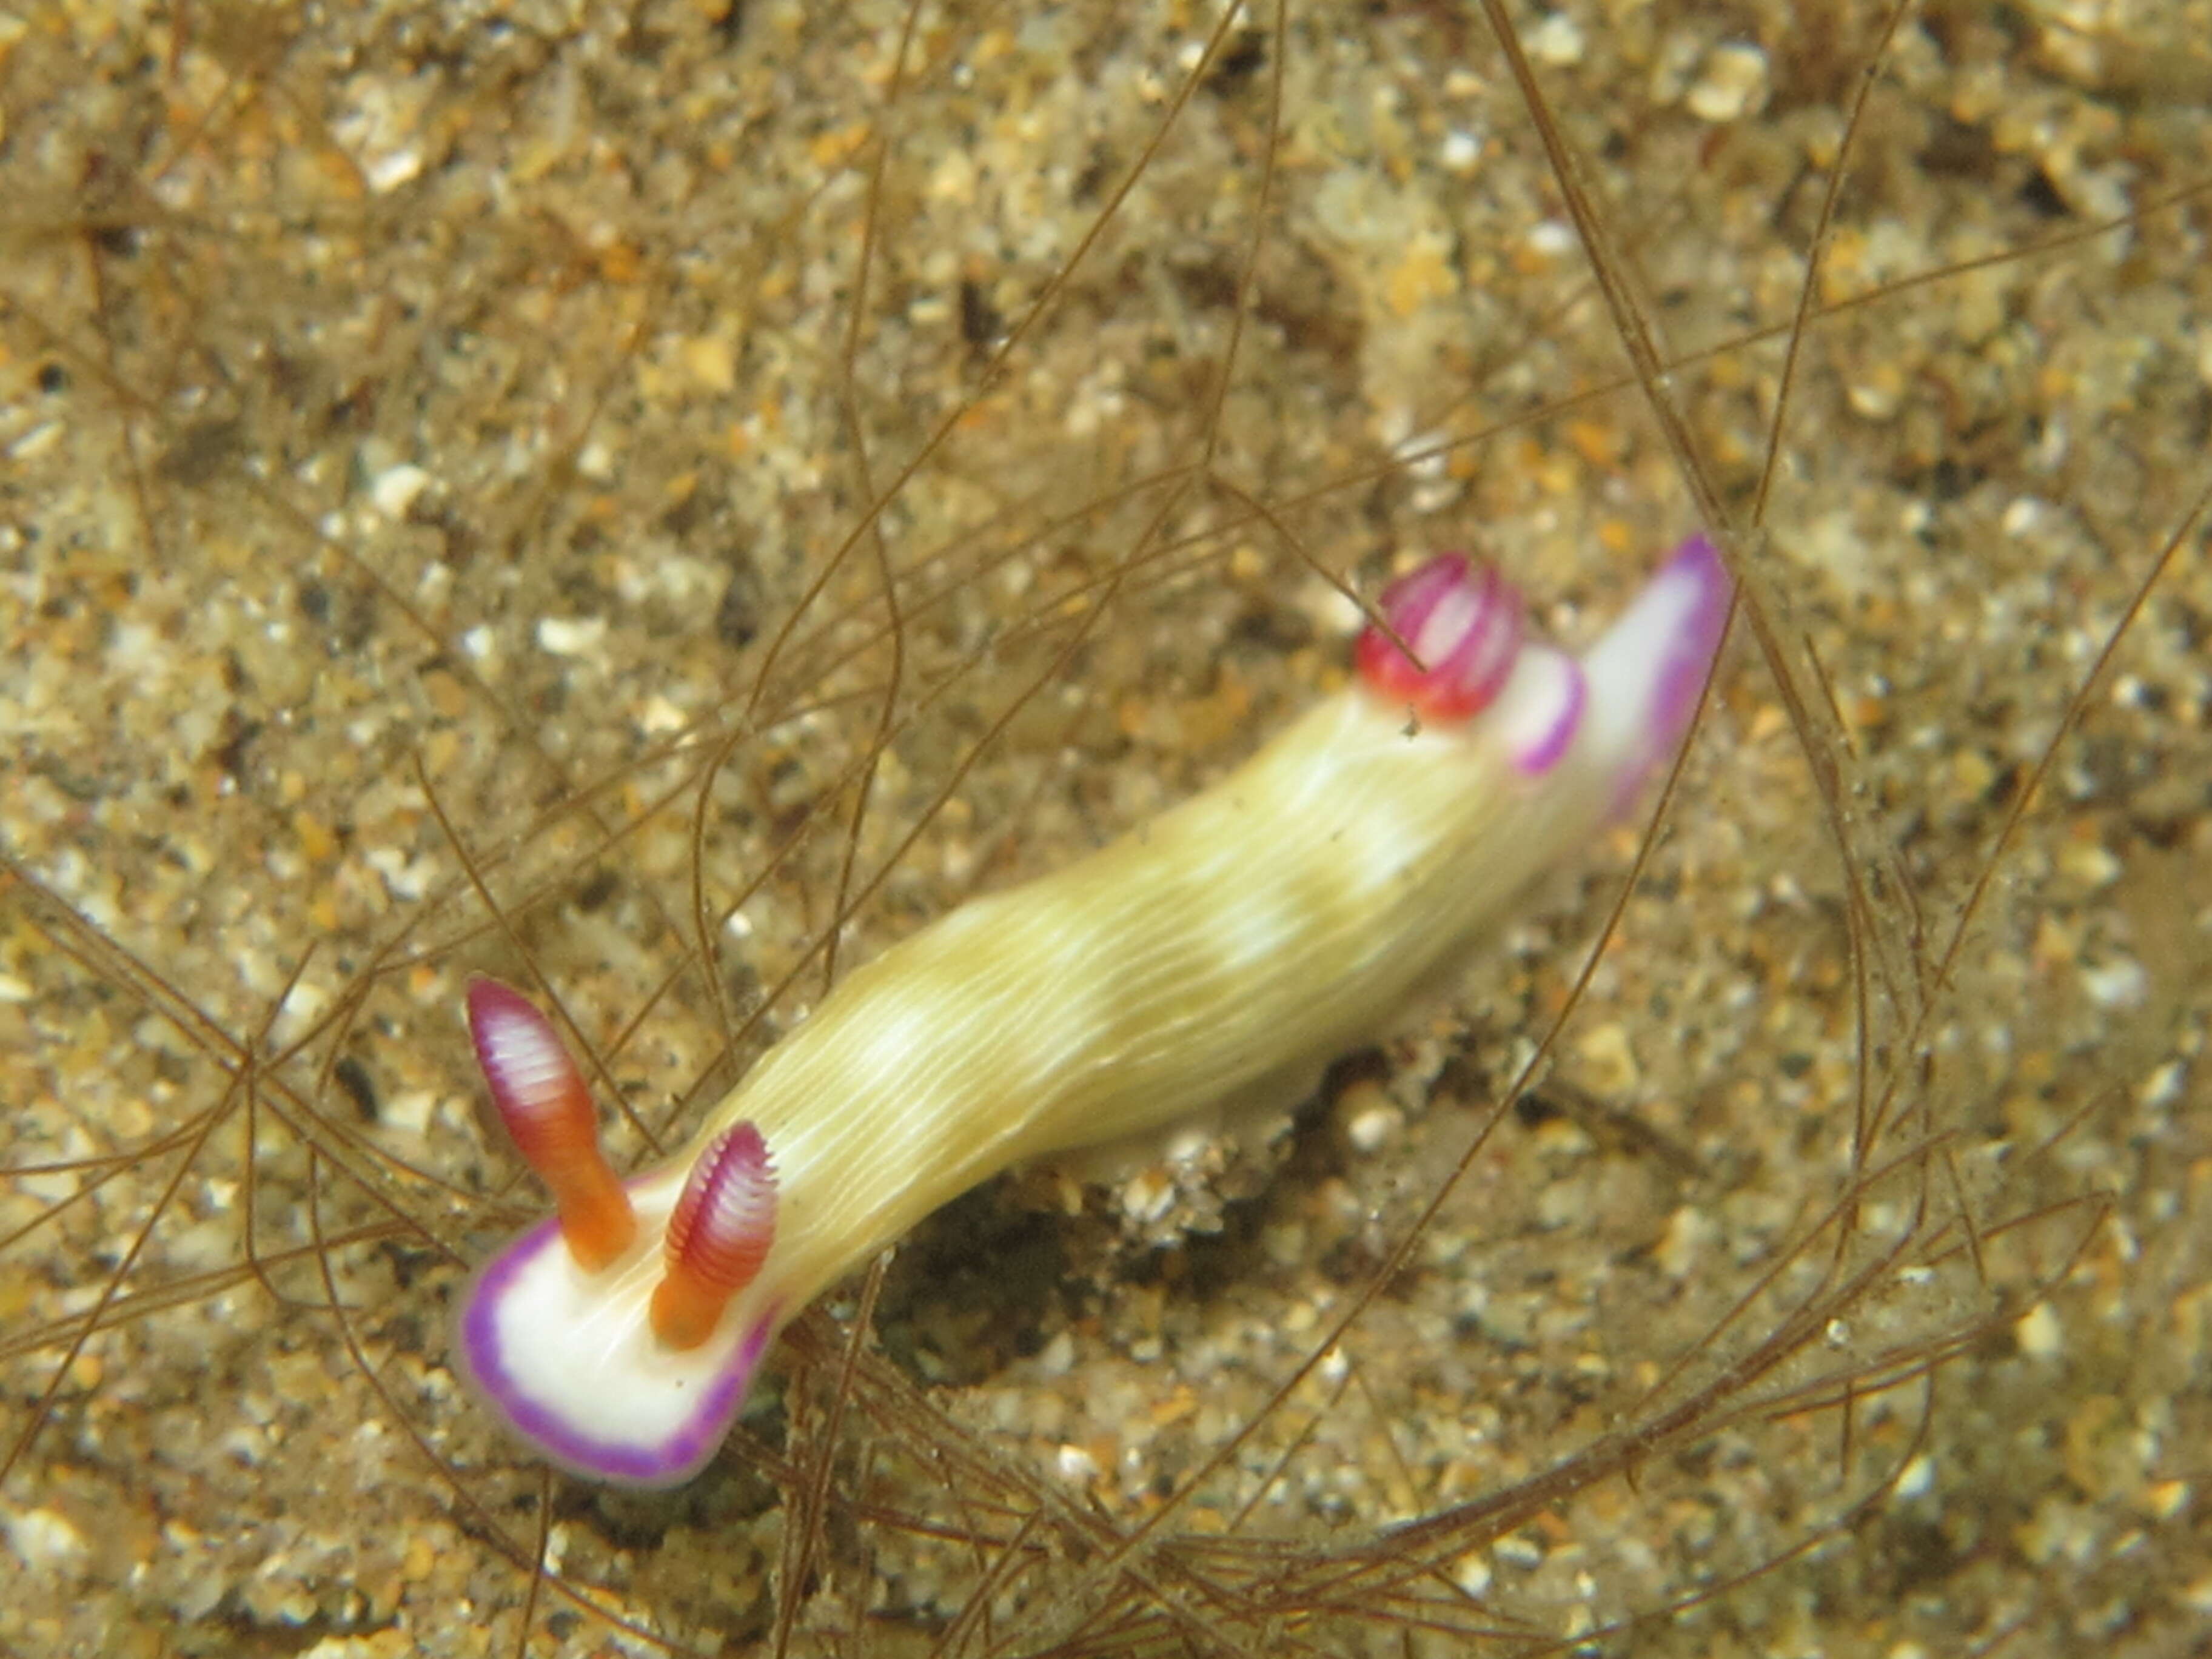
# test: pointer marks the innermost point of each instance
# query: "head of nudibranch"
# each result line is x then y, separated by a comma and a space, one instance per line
620, 1336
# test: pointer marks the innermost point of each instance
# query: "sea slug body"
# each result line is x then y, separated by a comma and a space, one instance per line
1252, 932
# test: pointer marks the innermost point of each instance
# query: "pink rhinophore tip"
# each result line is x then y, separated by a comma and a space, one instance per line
1463, 624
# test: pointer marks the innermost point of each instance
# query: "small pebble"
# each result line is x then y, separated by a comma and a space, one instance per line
1520, 1550
2038, 1333
571, 636
44, 1540
1733, 85
397, 489
2120, 983
1373, 1127
1556, 41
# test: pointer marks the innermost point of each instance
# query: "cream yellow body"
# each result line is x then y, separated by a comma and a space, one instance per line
1278, 917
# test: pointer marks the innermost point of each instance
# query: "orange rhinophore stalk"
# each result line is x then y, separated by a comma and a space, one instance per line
718, 1237
544, 1101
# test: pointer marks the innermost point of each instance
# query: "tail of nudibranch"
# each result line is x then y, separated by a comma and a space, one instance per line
1646, 672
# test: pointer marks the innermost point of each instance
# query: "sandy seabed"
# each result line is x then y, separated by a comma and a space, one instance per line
659, 500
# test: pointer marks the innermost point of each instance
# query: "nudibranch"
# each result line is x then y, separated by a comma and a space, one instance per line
1251, 933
